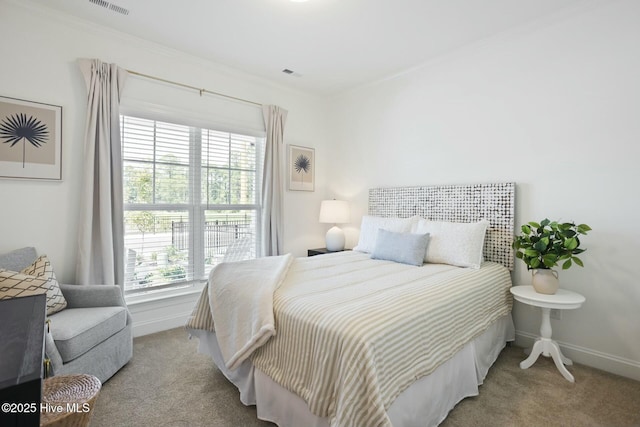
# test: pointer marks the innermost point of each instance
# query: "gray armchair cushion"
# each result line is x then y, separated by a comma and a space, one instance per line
19, 259
77, 330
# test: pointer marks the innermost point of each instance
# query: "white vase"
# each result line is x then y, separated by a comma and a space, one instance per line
545, 281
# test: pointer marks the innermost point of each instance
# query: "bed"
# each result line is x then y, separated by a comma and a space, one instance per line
346, 340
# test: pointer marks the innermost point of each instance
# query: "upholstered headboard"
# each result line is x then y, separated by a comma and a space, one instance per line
456, 203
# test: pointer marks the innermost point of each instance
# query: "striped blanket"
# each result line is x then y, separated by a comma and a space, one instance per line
353, 333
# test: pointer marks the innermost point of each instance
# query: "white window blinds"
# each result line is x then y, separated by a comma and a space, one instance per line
191, 201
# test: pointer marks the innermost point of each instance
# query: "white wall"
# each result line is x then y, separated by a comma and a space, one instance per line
554, 107
39, 52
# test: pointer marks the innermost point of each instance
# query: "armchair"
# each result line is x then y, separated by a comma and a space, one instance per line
92, 335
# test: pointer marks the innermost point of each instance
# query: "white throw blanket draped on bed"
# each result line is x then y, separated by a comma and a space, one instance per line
240, 296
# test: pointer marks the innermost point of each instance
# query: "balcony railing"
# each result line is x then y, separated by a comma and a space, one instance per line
218, 234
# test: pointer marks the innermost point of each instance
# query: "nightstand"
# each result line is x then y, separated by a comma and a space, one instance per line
561, 300
320, 251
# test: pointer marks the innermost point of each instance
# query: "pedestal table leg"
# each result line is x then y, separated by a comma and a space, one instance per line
547, 347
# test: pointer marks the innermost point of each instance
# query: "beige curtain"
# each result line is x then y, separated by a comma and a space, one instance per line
101, 234
272, 181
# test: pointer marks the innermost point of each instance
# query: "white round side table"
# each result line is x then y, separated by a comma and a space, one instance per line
561, 300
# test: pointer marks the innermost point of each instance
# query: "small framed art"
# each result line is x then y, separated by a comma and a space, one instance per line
30, 139
302, 163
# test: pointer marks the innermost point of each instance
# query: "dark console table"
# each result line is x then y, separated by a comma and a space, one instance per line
22, 323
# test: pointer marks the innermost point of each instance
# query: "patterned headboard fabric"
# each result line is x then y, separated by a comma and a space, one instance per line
456, 203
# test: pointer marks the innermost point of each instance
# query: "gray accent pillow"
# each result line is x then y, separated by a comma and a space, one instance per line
19, 259
406, 248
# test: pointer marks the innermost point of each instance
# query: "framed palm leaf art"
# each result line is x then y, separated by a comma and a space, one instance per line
302, 164
30, 139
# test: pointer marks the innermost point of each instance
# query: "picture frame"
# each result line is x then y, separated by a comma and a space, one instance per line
301, 171
30, 139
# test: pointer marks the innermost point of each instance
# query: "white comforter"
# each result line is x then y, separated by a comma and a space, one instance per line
353, 333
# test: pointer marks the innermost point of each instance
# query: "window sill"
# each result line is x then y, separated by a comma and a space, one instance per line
164, 294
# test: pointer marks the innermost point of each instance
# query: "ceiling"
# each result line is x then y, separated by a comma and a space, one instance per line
332, 45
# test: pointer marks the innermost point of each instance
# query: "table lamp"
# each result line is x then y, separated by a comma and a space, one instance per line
334, 212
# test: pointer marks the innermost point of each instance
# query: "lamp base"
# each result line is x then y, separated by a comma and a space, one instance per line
335, 239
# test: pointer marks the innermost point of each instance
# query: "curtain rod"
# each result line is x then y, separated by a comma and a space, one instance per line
201, 91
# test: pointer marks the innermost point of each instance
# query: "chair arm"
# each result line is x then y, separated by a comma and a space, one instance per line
80, 296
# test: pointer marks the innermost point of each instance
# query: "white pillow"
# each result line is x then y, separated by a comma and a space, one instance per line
454, 243
371, 224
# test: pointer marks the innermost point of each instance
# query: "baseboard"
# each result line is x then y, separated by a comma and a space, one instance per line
158, 325
586, 356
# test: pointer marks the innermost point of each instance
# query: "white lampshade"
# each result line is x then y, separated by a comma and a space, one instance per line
334, 212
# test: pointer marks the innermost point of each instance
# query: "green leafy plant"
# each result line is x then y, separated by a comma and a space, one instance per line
174, 272
544, 245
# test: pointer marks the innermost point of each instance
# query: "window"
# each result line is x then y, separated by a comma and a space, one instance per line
190, 201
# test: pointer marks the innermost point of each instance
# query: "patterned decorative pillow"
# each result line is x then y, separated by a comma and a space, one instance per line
16, 285
41, 268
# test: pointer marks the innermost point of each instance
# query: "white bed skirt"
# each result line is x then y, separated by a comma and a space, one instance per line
425, 403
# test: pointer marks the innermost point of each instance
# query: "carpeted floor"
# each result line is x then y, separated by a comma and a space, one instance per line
167, 383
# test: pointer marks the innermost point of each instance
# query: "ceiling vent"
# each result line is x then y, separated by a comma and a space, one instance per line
291, 72
111, 6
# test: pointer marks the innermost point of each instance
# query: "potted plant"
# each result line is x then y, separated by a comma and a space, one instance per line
545, 245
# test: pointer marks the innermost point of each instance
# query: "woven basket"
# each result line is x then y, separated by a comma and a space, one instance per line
67, 400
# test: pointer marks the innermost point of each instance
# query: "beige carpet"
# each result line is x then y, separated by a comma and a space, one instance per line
167, 383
